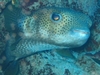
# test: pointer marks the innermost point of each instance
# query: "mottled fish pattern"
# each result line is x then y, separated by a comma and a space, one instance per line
52, 28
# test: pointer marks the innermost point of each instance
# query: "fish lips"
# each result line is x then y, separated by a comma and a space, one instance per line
74, 38
80, 36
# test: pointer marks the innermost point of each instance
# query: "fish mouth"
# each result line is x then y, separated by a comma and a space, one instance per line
81, 33
76, 37
80, 36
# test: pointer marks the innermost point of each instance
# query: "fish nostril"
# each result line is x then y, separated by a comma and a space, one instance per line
82, 31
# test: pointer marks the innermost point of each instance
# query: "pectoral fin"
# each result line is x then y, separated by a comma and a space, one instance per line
65, 53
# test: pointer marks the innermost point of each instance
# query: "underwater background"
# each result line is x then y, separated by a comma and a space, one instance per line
83, 60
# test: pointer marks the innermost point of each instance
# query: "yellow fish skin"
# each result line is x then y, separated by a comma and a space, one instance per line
52, 28
72, 25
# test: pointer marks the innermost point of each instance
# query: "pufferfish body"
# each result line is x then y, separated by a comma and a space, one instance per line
52, 28
48, 28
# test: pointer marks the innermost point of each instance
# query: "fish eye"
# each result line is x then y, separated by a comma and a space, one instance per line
55, 17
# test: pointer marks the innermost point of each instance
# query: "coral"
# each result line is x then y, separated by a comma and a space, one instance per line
36, 4
48, 63
3, 4
94, 54
56, 3
88, 65
86, 6
94, 42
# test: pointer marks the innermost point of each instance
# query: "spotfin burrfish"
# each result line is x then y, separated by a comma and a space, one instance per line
50, 28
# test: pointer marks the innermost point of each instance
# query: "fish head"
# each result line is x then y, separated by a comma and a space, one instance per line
63, 27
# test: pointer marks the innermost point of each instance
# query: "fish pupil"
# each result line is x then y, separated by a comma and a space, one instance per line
55, 16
